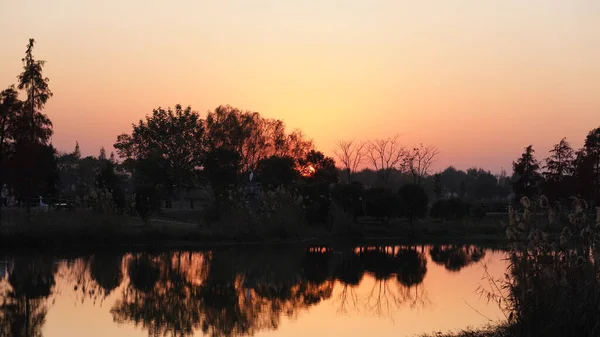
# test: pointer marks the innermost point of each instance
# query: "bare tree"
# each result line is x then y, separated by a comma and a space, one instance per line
418, 161
385, 155
350, 154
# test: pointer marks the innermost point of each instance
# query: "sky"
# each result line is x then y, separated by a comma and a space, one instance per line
478, 79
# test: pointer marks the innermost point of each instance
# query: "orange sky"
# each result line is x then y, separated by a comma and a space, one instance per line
478, 79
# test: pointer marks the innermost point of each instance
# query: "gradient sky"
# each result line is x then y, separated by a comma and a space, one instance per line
478, 79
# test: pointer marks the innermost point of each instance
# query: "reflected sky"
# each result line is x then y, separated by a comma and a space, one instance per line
352, 291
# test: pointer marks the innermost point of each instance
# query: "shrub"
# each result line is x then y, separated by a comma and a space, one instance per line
273, 213
450, 209
381, 203
552, 284
413, 201
349, 198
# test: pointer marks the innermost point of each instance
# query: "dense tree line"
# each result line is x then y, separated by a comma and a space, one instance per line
565, 173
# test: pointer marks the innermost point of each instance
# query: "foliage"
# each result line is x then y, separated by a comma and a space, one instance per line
174, 138
413, 201
316, 167
453, 208
147, 201
381, 203
278, 212
587, 168
528, 176
221, 168
350, 199
316, 200
277, 171
108, 180
253, 137
552, 285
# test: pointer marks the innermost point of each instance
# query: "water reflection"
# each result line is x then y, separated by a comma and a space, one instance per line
223, 292
456, 257
23, 296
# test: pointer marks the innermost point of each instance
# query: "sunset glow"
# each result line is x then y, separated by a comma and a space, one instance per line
480, 80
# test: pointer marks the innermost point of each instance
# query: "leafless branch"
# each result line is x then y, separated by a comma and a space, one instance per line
385, 154
418, 161
350, 154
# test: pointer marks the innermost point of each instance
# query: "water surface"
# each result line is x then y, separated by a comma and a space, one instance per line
359, 291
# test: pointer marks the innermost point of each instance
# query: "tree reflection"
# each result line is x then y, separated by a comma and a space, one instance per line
23, 297
227, 292
456, 257
107, 271
397, 272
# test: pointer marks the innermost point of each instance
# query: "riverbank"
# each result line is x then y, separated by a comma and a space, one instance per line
74, 230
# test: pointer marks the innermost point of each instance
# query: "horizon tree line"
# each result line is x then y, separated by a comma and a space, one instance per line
175, 149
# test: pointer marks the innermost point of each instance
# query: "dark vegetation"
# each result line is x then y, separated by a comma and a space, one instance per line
239, 176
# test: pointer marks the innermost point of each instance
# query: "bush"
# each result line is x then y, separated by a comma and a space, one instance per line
413, 201
349, 198
316, 199
450, 209
552, 284
275, 213
381, 203
147, 201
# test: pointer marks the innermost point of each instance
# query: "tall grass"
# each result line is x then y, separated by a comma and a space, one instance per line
276, 213
552, 286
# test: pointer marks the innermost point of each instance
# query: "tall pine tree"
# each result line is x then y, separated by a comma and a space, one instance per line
526, 171
559, 171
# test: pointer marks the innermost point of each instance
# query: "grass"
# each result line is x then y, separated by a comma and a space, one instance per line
552, 283
489, 331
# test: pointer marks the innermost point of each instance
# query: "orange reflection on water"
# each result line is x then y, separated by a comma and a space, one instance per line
386, 291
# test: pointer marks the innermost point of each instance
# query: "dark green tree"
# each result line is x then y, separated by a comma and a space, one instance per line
277, 171
413, 201
587, 168
31, 130
221, 168
527, 175
108, 180
316, 167
175, 136
9, 108
437, 186
38, 92
559, 170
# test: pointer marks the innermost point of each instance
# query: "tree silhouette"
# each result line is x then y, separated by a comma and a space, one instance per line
438, 189
413, 201
31, 161
587, 167
418, 161
277, 171
35, 85
528, 178
316, 167
350, 154
385, 154
175, 136
559, 170
9, 109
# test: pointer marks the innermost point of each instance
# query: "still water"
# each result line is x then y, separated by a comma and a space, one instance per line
359, 291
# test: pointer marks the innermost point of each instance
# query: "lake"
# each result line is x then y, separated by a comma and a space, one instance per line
290, 291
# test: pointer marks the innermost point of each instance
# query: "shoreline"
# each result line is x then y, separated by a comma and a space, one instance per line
10, 244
